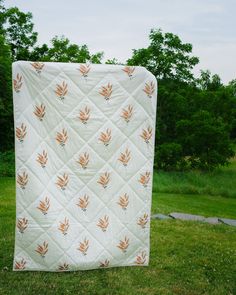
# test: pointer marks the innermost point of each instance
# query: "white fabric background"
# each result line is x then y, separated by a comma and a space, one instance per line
61, 236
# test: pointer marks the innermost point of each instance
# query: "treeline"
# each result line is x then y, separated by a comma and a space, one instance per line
196, 117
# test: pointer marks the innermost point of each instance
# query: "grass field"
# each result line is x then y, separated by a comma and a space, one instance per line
189, 258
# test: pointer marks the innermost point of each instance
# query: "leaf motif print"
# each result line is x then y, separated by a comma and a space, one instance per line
83, 202
83, 246
63, 267
22, 224
106, 91
42, 159
44, 205
62, 181
123, 245
149, 88
127, 113
104, 263
146, 134
125, 157
143, 220
21, 132
17, 83
61, 90
84, 115
84, 70
105, 137
62, 137
38, 66
20, 265
129, 71
104, 179
141, 259
83, 160
42, 249
144, 178
123, 201
39, 111
64, 226
22, 179
103, 223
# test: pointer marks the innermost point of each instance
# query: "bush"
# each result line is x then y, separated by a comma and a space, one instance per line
7, 163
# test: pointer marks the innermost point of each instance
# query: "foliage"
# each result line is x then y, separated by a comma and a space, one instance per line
62, 50
7, 163
167, 57
6, 105
17, 27
193, 126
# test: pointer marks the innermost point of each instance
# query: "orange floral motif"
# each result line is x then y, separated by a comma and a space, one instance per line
105, 137
84, 70
42, 159
63, 267
103, 223
39, 111
143, 220
106, 91
61, 90
21, 132
62, 137
42, 249
83, 246
17, 83
20, 264
83, 160
124, 201
38, 66
104, 263
62, 181
22, 224
125, 157
104, 179
83, 202
147, 134
22, 179
84, 115
141, 259
64, 226
149, 89
144, 178
44, 205
129, 71
127, 113
123, 245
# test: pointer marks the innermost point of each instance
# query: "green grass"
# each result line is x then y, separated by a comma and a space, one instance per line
205, 205
186, 257
218, 182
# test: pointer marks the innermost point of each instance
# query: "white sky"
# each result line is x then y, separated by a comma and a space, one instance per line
118, 26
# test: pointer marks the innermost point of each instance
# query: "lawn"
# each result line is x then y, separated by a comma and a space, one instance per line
186, 257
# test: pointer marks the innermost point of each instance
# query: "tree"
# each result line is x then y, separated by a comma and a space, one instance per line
17, 27
167, 57
61, 50
6, 107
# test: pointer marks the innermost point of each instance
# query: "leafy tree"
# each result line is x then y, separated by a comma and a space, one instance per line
167, 57
17, 27
205, 140
62, 50
6, 107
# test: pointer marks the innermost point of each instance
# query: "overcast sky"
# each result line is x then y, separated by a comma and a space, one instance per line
118, 26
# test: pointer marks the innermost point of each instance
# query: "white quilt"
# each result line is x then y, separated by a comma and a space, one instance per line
84, 143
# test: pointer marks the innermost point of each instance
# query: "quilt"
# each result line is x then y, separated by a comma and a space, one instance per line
84, 145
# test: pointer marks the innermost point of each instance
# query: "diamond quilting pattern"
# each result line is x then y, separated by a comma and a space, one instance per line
84, 148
